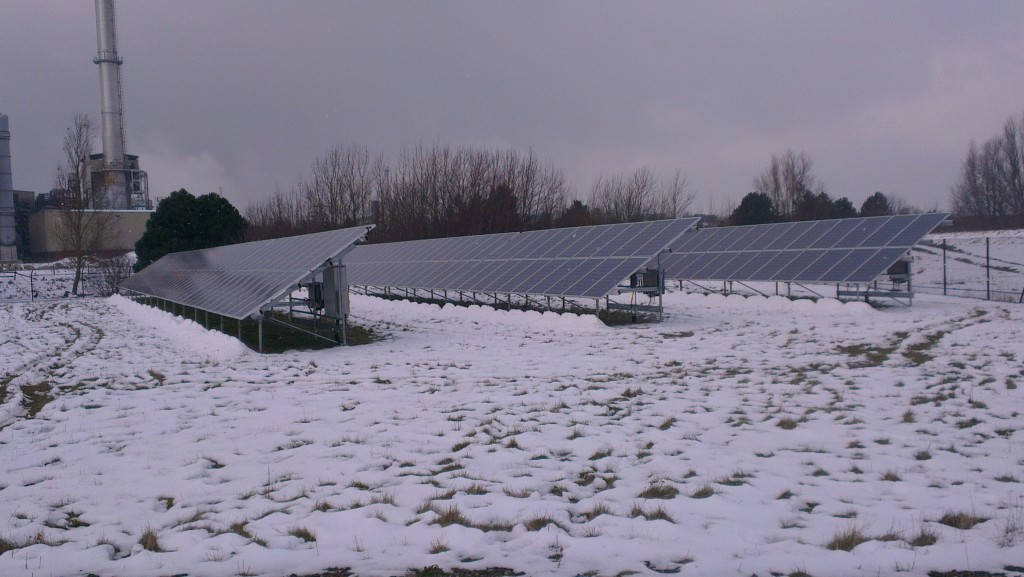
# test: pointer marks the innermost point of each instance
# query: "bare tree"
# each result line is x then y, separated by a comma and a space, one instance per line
786, 180
676, 196
900, 205
339, 187
81, 231
990, 189
431, 191
114, 270
640, 196
626, 198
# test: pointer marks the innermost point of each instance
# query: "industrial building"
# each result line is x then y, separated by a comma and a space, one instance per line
8, 236
115, 192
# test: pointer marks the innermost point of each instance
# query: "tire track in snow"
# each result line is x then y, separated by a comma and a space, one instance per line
28, 386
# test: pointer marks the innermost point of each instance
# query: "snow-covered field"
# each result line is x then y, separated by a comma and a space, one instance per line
740, 436
966, 274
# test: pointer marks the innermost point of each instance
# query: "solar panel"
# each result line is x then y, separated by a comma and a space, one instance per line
587, 262
853, 250
237, 280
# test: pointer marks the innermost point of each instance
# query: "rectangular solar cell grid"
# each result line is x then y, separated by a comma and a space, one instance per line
819, 234
782, 235
854, 250
237, 280
572, 262
864, 229
917, 229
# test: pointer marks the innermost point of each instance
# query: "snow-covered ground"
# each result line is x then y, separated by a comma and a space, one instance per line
740, 436
966, 274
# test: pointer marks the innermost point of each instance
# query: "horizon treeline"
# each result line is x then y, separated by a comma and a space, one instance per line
439, 191
990, 190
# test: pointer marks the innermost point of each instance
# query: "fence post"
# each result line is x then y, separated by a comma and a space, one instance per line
988, 271
944, 282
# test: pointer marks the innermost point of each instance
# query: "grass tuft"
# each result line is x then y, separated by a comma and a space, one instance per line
961, 520
149, 541
786, 424
538, 523
659, 491
703, 492
302, 533
439, 545
450, 515
847, 539
923, 538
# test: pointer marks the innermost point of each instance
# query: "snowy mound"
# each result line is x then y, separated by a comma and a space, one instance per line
476, 314
183, 332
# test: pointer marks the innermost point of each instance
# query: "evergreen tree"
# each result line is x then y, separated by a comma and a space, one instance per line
876, 205
755, 208
843, 208
183, 222
576, 214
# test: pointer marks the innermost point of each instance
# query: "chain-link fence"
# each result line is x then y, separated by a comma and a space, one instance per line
983, 267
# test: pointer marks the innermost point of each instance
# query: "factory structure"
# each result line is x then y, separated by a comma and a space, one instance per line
114, 177
8, 234
115, 188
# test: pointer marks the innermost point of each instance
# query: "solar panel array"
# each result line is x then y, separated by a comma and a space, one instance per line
237, 280
571, 262
853, 250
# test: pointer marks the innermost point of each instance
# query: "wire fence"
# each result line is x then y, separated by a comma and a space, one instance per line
58, 282
981, 267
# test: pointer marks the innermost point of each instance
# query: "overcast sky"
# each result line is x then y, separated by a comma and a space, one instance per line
242, 95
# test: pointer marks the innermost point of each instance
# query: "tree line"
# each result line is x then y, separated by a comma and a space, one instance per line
990, 190
787, 190
441, 191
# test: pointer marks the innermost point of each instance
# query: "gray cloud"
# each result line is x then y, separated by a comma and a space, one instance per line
242, 95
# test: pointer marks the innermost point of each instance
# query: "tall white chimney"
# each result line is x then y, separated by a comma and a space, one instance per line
8, 235
113, 179
110, 84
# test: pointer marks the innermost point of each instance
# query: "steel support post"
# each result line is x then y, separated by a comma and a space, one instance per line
944, 285
988, 271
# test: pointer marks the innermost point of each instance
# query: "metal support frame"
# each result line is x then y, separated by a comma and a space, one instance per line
808, 289
751, 288
272, 320
501, 301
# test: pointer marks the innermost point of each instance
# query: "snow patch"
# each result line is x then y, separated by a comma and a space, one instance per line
184, 333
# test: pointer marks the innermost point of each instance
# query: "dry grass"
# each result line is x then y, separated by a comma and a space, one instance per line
450, 515
847, 539
439, 545
961, 520
541, 521
703, 492
149, 541
923, 538
302, 533
659, 491
786, 424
